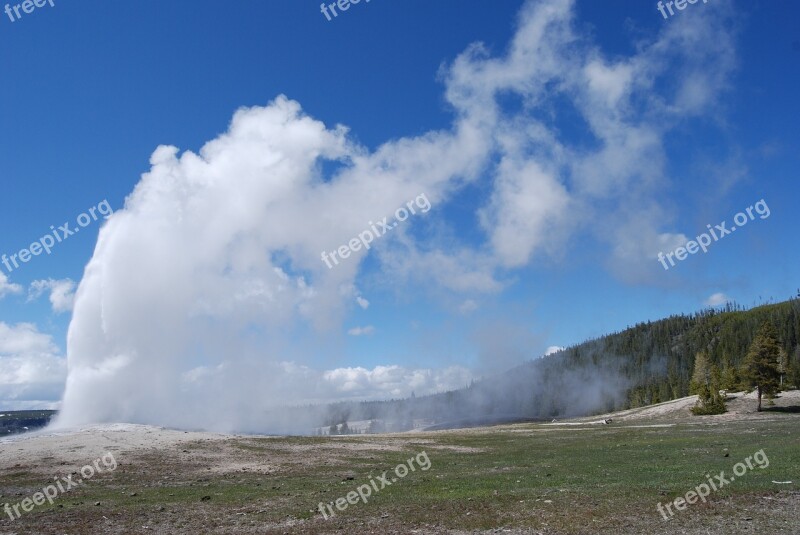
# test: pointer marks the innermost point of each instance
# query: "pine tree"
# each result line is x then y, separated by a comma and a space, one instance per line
701, 375
717, 402
760, 368
730, 380
794, 368
706, 383
783, 364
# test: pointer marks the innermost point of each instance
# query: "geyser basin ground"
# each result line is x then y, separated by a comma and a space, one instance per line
570, 477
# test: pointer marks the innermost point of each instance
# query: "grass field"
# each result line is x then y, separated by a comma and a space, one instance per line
579, 477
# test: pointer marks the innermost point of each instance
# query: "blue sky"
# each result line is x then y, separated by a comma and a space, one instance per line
92, 88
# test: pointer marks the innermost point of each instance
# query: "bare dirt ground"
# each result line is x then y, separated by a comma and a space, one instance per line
740, 406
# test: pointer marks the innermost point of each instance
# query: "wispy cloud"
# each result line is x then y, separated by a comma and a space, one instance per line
468, 307
361, 331
7, 287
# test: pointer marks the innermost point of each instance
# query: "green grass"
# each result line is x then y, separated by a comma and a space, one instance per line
557, 480
597, 472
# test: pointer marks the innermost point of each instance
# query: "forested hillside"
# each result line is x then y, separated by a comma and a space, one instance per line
648, 363
13, 422
725, 336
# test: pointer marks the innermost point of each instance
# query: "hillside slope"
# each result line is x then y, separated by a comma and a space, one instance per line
646, 364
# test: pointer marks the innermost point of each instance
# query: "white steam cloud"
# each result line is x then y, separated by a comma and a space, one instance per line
206, 302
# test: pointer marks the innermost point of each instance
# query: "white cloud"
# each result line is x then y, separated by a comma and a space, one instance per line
527, 205
62, 293
611, 81
717, 299
384, 382
361, 331
467, 307
553, 349
548, 187
32, 372
458, 271
668, 242
7, 287
363, 303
